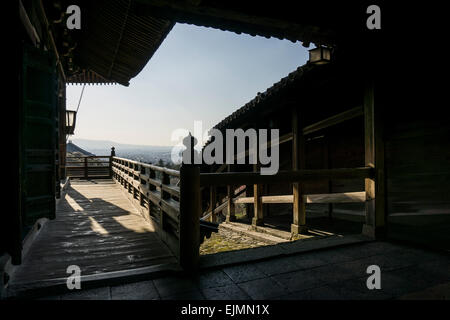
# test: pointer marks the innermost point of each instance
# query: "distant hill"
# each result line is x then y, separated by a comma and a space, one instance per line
73, 148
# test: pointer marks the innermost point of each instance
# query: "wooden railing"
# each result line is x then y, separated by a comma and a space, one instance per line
171, 200
88, 167
299, 199
175, 211
172, 210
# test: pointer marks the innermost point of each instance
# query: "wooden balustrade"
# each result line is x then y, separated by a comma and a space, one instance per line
173, 211
88, 167
295, 176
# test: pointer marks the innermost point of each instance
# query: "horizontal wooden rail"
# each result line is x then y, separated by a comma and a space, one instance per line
241, 178
334, 120
171, 172
347, 197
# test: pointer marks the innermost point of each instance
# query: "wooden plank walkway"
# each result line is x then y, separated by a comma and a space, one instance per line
96, 228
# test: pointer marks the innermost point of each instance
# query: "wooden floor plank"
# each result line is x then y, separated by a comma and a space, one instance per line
96, 228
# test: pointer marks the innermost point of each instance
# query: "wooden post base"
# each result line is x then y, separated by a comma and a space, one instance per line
257, 222
230, 218
378, 233
298, 229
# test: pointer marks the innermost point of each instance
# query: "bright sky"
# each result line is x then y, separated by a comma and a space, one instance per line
196, 74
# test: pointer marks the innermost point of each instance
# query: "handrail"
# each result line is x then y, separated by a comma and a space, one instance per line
240, 178
170, 172
140, 180
82, 157
171, 209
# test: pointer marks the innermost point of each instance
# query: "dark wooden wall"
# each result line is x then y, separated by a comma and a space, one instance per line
417, 149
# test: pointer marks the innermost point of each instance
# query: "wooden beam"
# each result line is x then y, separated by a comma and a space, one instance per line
284, 138
345, 197
334, 120
241, 178
244, 200
278, 199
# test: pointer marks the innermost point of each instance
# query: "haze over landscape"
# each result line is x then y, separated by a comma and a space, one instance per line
149, 154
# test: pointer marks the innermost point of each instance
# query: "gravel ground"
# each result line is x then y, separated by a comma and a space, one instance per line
226, 240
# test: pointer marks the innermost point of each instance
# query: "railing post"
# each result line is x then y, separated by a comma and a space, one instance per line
113, 154
165, 180
190, 207
85, 167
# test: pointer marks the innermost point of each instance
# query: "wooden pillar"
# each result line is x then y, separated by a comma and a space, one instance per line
190, 210
248, 207
231, 213
258, 218
374, 157
212, 203
266, 206
298, 162
327, 165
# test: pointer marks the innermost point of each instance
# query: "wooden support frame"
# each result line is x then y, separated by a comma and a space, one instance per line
375, 224
298, 225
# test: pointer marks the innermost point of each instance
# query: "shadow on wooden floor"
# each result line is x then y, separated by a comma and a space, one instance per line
97, 229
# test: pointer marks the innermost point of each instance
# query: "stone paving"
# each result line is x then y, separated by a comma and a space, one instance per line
336, 273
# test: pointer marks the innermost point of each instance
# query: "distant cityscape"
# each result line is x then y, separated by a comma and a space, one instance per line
158, 155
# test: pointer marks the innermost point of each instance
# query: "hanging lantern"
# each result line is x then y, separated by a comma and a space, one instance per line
71, 117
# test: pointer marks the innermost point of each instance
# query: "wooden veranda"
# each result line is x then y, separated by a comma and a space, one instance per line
98, 229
